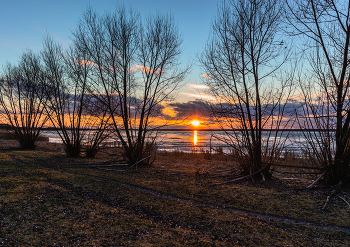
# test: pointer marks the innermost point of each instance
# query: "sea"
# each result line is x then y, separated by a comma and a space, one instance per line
199, 140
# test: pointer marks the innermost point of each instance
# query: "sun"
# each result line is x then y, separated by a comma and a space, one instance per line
195, 122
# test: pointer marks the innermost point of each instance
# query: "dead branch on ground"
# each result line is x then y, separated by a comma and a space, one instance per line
240, 178
344, 200
100, 163
316, 179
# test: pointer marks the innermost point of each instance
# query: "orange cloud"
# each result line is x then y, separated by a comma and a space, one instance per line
146, 69
169, 111
84, 62
206, 76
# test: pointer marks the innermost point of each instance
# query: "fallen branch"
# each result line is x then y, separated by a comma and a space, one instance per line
226, 171
99, 163
229, 172
107, 165
107, 169
237, 179
316, 180
222, 175
300, 167
286, 172
344, 200
140, 161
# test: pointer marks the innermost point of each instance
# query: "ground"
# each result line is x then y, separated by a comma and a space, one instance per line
47, 199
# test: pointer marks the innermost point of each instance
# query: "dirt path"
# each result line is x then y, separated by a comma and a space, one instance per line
202, 204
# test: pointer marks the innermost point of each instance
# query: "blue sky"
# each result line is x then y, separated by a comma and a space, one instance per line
24, 24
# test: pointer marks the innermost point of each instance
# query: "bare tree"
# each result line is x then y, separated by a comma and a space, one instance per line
22, 99
71, 110
241, 61
325, 26
135, 69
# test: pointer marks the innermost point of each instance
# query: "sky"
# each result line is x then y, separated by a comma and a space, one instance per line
25, 23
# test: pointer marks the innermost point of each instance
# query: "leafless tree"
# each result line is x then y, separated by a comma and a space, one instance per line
71, 110
324, 25
135, 68
244, 62
22, 98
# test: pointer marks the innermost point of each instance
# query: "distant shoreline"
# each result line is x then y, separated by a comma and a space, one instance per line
8, 127
264, 130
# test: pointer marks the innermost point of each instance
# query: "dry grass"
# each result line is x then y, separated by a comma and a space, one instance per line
50, 201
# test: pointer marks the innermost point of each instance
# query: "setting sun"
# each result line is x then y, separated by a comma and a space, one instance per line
195, 122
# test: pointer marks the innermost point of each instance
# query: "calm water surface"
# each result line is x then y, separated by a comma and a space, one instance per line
194, 141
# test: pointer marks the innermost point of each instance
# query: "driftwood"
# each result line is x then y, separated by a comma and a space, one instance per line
240, 178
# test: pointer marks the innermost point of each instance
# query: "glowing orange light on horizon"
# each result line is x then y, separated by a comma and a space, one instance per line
195, 123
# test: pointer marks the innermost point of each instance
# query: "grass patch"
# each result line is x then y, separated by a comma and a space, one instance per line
48, 201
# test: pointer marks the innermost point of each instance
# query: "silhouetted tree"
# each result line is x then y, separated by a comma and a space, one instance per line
71, 109
135, 68
326, 28
241, 61
22, 98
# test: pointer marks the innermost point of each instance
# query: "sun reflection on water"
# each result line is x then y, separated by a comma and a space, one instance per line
195, 138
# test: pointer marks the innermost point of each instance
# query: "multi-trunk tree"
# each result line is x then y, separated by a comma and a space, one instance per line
241, 61
135, 68
23, 99
324, 26
78, 120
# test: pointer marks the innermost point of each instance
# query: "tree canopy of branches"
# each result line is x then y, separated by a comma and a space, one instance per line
22, 98
325, 26
135, 68
70, 108
241, 61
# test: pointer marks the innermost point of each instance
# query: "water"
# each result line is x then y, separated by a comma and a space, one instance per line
196, 141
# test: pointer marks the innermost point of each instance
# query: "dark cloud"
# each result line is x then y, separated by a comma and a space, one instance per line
196, 108
203, 109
